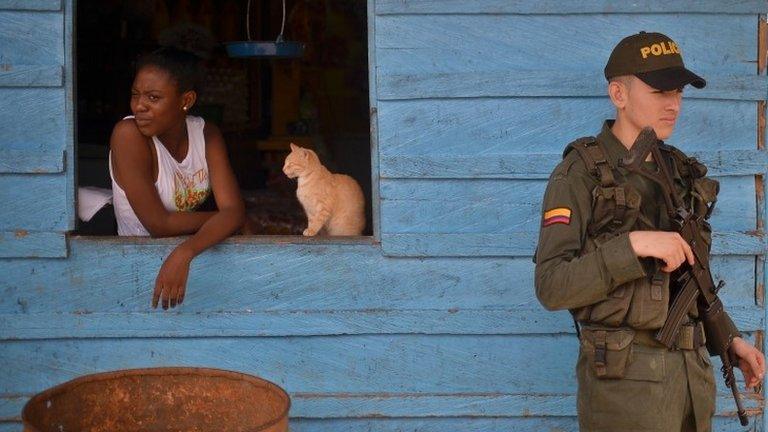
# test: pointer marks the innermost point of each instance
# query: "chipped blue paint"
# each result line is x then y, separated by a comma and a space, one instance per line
36, 5
32, 244
31, 76
30, 162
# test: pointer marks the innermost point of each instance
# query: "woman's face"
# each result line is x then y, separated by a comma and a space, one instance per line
156, 101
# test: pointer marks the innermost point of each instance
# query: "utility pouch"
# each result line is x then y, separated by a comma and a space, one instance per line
608, 350
611, 311
642, 304
650, 302
704, 194
703, 200
614, 209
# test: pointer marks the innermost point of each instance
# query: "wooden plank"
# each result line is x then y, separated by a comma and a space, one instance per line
469, 424
318, 364
761, 125
481, 46
483, 405
762, 44
31, 75
486, 127
293, 323
542, 83
30, 162
33, 202
373, 364
69, 109
540, 166
36, 5
503, 206
465, 424
393, 7
374, 118
118, 276
738, 272
305, 323
31, 38
519, 244
33, 119
523, 244
332, 406
101, 277
26, 244
11, 405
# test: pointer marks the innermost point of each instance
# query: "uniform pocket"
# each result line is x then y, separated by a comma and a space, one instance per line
647, 364
650, 302
608, 351
613, 310
704, 195
614, 209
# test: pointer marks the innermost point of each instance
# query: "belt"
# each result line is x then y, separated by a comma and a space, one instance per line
690, 337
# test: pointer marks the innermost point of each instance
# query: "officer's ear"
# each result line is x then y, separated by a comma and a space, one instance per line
618, 91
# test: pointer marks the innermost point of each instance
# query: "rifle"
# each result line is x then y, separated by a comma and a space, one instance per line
694, 281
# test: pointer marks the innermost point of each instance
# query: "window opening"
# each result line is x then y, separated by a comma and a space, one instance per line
319, 101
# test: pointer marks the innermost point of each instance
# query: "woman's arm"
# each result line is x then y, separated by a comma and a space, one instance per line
231, 209
170, 285
132, 168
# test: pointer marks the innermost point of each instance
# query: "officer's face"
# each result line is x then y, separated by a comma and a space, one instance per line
644, 106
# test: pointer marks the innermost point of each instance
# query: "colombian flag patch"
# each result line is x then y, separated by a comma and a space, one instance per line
557, 215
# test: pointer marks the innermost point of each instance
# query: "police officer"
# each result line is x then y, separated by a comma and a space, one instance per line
607, 248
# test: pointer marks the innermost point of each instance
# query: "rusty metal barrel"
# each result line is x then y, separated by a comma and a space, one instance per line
160, 399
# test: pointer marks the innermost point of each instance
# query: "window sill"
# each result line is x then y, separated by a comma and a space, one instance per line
238, 240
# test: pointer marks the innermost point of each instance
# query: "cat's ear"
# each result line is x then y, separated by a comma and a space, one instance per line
305, 153
294, 147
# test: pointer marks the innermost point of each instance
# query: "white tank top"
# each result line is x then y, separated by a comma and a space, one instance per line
182, 186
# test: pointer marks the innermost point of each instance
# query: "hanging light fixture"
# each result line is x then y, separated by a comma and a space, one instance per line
264, 49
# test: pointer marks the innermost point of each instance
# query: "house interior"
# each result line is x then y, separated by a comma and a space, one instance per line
318, 100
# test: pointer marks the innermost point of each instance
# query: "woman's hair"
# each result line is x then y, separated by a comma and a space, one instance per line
182, 51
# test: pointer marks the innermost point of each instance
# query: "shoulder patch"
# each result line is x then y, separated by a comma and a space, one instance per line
557, 215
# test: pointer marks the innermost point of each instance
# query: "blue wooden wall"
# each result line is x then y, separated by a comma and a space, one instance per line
432, 324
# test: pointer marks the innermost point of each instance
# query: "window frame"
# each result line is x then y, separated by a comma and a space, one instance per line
70, 38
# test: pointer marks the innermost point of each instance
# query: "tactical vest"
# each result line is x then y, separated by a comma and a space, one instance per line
642, 303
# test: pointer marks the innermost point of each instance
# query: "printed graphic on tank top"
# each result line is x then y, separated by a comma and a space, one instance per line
181, 186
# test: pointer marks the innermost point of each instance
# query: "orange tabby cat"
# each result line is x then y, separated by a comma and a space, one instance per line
334, 203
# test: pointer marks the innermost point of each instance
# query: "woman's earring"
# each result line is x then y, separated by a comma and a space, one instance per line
185, 108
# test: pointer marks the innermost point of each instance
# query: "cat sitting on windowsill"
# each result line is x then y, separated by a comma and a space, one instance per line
334, 203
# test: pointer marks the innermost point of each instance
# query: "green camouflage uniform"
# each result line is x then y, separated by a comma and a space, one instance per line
627, 381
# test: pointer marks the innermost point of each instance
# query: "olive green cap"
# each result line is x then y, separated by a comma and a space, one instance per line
655, 59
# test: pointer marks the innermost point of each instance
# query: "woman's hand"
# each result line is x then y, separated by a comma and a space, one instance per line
171, 282
751, 361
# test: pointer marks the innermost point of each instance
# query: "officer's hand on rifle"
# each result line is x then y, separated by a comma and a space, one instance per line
664, 245
751, 361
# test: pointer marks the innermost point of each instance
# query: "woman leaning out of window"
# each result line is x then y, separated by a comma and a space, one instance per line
165, 163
